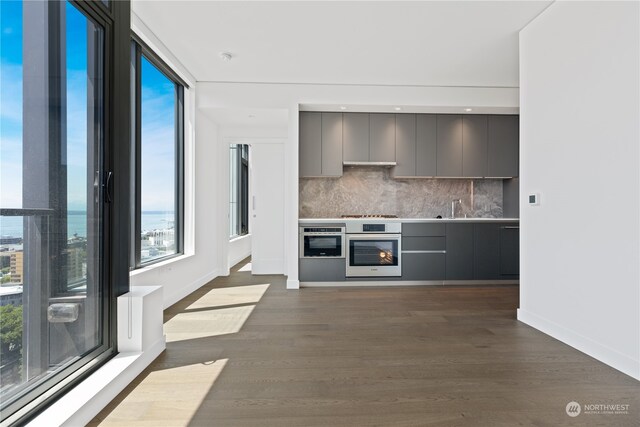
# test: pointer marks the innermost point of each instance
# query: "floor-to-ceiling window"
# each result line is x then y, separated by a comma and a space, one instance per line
238, 190
55, 177
158, 131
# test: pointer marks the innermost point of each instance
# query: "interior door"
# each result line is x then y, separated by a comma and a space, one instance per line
267, 208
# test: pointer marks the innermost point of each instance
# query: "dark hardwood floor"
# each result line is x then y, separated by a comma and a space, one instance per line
243, 351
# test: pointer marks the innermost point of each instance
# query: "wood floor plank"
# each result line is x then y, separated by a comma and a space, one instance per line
243, 351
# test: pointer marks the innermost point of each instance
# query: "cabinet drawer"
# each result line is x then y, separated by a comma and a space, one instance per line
423, 229
422, 243
423, 266
322, 270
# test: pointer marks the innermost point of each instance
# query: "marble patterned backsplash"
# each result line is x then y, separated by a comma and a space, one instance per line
372, 190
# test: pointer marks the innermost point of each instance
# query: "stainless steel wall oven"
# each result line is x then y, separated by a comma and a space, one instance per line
373, 249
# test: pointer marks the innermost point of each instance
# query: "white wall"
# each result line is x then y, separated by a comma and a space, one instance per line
201, 261
580, 136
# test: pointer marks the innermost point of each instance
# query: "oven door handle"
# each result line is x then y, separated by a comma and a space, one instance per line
367, 236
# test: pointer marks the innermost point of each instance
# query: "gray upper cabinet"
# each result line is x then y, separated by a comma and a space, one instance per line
355, 131
310, 144
331, 144
405, 145
503, 146
426, 145
320, 144
474, 145
449, 145
382, 134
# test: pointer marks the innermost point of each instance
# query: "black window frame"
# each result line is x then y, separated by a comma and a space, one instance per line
242, 177
140, 49
115, 21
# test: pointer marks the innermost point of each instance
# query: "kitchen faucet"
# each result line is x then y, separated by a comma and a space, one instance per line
453, 207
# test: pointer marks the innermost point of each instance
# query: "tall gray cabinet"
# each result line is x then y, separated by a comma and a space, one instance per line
355, 132
405, 145
321, 138
449, 145
382, 137
474, 145
503, 145
310, 128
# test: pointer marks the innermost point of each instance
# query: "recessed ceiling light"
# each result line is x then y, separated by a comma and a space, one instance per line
343, 108
468, 109
225, 56
397, 108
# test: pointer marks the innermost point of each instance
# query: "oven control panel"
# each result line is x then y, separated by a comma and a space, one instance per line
374, 228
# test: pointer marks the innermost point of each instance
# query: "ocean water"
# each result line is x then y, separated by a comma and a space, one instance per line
11, 226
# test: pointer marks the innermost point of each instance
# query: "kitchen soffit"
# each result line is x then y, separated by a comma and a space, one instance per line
471, 43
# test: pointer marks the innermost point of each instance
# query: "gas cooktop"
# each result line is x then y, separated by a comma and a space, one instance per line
369, 216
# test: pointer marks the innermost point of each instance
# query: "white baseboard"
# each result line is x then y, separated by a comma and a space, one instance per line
598, 351
193, 286
390, 283
293, 284
81, 404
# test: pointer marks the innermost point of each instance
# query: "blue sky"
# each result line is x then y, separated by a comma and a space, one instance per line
157, 117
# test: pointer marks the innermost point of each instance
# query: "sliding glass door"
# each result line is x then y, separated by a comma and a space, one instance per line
56, 188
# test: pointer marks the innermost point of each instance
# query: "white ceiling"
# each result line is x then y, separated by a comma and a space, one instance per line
248, 117
446, 43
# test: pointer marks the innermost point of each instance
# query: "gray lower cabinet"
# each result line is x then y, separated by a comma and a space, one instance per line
423, 251
510, 251
355, 133
331, 144
460, 251
423, 266
487, 251
405, 145
449, 145
503, 145
382, 134
310, 144
322, 269
426, 145
474, 145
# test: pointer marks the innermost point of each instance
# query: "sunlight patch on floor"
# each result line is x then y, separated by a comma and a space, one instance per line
150, 404
246, 267
222, 297
207, 323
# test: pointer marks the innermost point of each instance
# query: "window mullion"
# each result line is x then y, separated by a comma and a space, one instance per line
137, 146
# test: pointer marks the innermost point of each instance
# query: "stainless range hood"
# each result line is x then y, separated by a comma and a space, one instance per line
379, 164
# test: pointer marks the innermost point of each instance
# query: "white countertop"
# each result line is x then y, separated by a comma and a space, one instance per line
375, 220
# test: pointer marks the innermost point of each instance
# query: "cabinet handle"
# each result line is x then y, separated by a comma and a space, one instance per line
511, 227
424, 252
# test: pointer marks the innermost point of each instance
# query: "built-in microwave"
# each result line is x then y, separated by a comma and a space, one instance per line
322, 242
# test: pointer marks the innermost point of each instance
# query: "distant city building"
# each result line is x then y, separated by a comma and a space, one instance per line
6, 240
10, 295
15, 266
76, 260
162, 238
